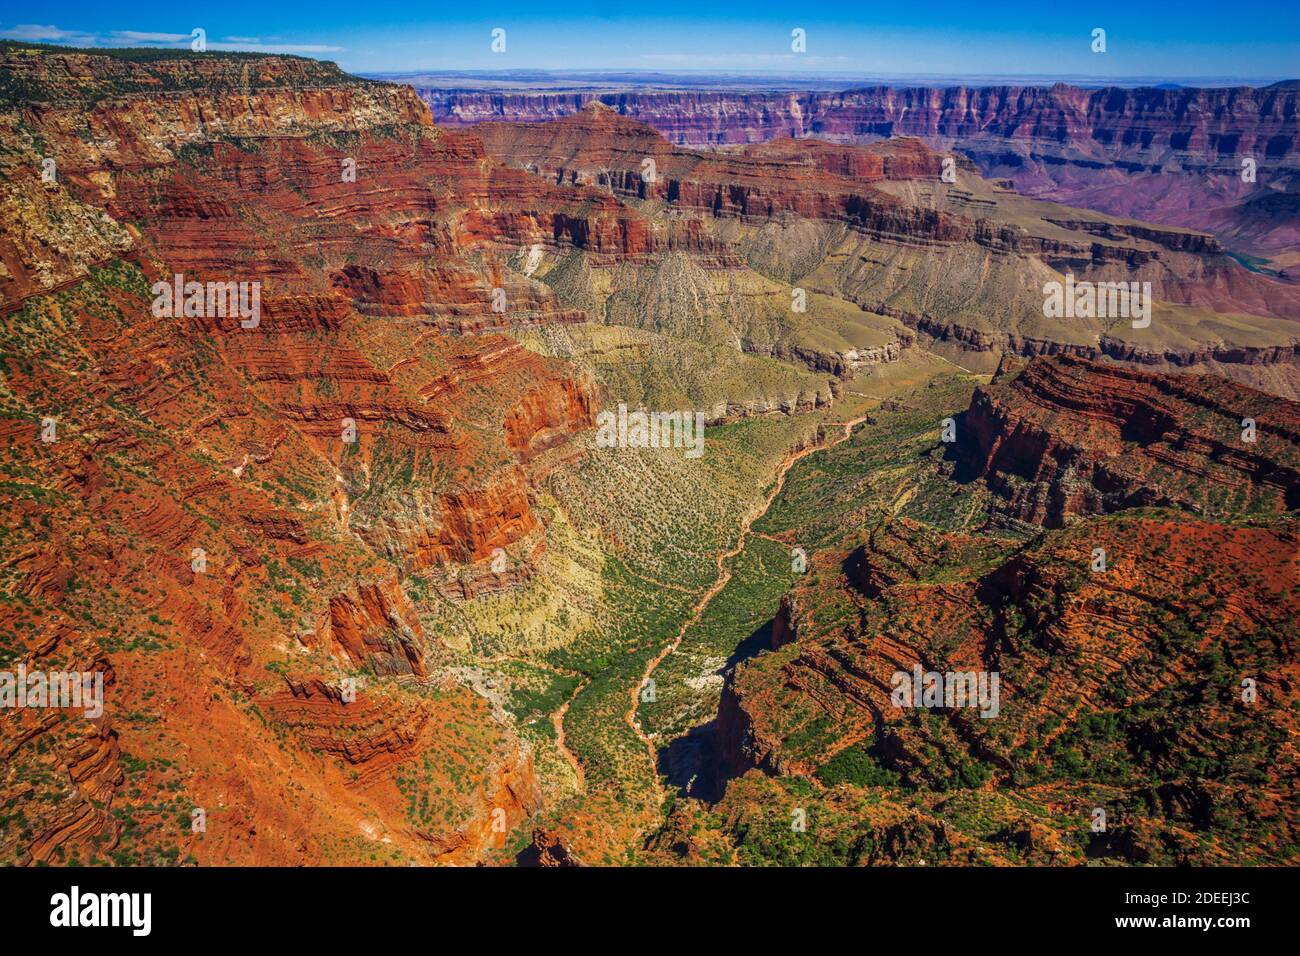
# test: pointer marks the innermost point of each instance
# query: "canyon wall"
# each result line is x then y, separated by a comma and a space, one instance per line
235, 519
1166, 155
1204, 127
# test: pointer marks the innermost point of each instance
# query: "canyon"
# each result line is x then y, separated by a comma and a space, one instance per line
364, 587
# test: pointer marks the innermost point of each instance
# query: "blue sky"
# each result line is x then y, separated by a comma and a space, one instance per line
1169, 41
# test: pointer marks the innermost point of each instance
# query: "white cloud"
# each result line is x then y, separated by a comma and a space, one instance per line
38, 33
135, 36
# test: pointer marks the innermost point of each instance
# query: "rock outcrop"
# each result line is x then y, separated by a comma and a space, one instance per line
1064, 438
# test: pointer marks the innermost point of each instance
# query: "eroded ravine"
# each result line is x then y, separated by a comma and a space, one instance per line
557, 721
557, 717
720, 582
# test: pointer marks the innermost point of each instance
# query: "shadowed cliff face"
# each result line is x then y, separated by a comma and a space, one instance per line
1169, 156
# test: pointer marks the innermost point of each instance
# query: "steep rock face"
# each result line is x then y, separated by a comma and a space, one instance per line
1065, 437
546, 417
371, 626
742, 743
477, 521
509, 796
228, 515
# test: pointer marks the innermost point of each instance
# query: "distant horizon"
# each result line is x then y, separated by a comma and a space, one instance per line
804, 79
1196, 42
